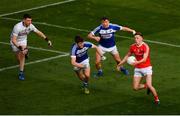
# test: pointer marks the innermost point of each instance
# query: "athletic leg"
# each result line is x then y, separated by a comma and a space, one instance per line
151, 88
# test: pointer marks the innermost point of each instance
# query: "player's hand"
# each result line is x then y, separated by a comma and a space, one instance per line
85, 66
135, 63
20, 48
103, 58
25, 51
134, 32
97, 38
49, 43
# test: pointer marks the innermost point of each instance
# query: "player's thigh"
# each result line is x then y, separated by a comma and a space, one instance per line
136, 81
116, 57
79, 73
115, 53
149, 80
87, 72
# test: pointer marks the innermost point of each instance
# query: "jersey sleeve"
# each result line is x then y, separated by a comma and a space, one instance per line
89, 44
15, 31
117, 27
73, 50
96, 30
145, 48
131, 49
33, 28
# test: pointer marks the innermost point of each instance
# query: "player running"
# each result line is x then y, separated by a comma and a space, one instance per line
18, 41
80, 60
143, 67
105, 37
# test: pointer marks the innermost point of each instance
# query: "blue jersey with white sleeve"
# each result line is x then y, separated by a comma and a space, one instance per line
80, 53
107, 34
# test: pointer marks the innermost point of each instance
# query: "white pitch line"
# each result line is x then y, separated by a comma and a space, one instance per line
34, 62
41, 49
83, 30
35, 8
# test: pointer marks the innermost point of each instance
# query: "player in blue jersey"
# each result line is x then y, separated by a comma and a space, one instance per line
80, 60
104, 35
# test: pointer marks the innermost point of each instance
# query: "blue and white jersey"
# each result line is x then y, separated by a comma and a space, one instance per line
107, 34
80, 53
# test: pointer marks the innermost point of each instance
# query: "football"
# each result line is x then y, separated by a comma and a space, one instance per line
131, 60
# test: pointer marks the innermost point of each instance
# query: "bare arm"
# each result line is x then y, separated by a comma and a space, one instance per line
42, 35
91, 36
124, 59
14, 41
74, 63
39, 33
128, 30
98, 50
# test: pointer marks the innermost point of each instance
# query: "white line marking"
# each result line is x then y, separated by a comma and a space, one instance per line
42, 49
34, 62
39, 7
83, 30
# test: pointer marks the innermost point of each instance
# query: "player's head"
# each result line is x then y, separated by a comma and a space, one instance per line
79, 41
105, 22
138, 37
27, 20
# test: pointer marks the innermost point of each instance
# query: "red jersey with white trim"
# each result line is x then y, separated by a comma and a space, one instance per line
139, 51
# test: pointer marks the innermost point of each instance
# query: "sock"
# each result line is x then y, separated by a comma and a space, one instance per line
85, 82
156, 98
145, 86
122, 68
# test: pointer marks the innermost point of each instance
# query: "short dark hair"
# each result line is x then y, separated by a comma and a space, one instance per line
104, 18
78, 39
138, 33
25, 16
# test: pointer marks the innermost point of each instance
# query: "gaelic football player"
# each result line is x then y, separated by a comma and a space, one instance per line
80, 60
104, 35
143, 67
18, 41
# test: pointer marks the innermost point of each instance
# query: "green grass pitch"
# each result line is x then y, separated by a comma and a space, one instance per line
51, 87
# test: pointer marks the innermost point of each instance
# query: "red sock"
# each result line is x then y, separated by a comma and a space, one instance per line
156, 98
145, 86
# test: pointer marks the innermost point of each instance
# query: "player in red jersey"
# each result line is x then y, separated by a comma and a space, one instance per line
142, 66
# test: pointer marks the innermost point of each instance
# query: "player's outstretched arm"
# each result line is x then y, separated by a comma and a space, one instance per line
42, 35
123, 60
99, 52
129, 30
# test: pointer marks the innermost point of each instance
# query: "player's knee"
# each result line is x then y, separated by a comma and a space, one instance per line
135, 88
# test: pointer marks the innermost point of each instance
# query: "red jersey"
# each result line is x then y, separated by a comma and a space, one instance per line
139, 51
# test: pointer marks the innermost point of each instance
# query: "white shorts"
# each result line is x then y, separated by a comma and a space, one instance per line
141, 72
20, 43
85, 63
113, 50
